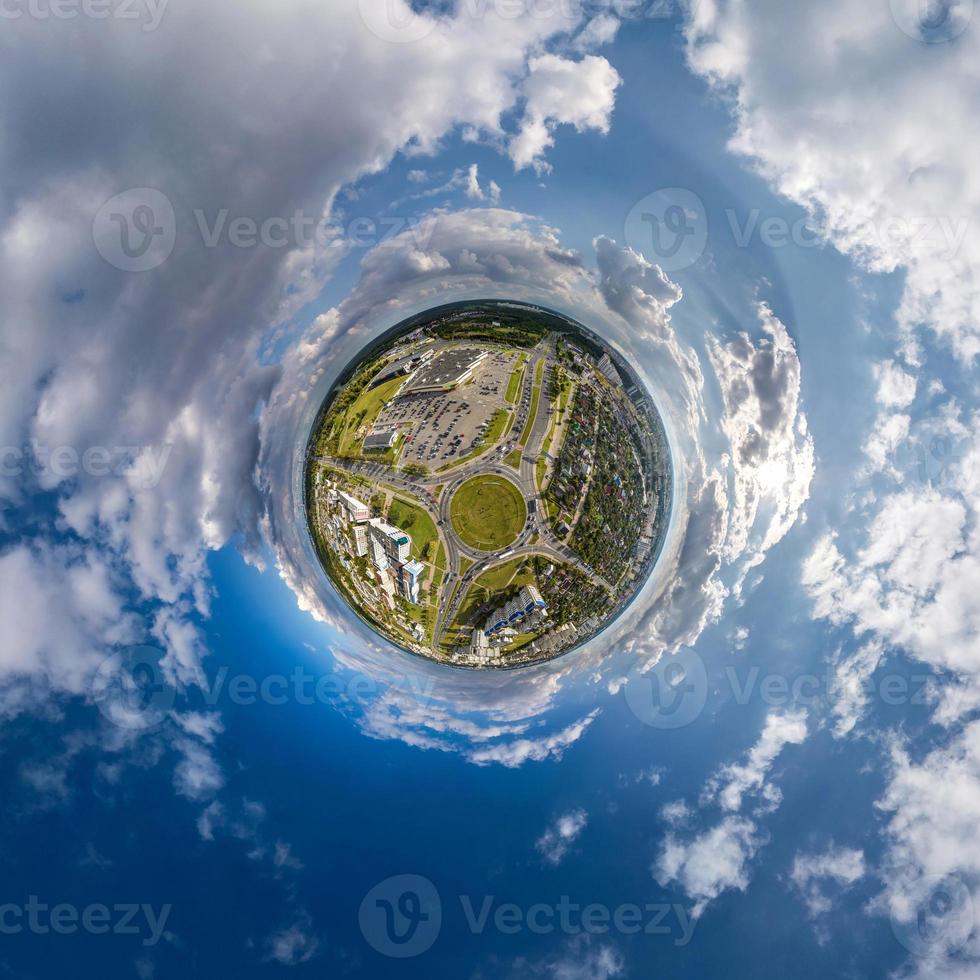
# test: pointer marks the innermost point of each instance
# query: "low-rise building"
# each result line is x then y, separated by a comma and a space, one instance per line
356, 509
379, 442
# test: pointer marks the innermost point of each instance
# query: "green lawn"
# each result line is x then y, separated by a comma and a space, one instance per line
513, 458
492, 581
488, 512
514, 384
501, 576
418, 524
366, 408
532, 414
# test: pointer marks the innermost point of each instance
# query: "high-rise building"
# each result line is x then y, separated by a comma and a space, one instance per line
525, 604
410, 577
360, 540
389, 545
608, 370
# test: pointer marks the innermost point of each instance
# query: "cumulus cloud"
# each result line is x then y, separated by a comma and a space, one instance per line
932, 876
892, 196
167, 370
814, 875
293, 944
492, 251
555, 843
581, 958
718, 858
562, 91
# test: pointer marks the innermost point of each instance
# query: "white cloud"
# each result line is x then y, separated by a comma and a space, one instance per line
295, 943
712, 862
171, 364
896, 387
891, 195
555, 843
718, 858
733, 781
197, 774
813, 875
771, 448
561, 91
932, 875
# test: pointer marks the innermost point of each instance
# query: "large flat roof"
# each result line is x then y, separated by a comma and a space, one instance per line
445, 369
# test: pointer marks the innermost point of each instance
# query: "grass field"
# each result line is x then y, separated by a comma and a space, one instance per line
488, 584
514, 384
531, 415
501, 576
364, 411
418, 524
513, 458
488, 512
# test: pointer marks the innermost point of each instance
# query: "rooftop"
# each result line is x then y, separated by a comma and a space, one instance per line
446, 369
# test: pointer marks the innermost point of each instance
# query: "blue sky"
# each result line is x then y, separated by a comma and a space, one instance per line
771, 763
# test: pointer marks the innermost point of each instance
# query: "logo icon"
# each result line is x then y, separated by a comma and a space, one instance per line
136, 230
671, 694
669, 228
932, 21
395, 20
130, 689
942, 919
401, 916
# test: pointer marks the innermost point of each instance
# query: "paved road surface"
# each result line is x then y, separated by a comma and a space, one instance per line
421, 487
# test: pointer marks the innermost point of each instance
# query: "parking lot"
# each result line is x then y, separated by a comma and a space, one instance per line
440, 428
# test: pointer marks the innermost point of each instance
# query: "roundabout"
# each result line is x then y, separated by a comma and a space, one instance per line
488, 512
488, 486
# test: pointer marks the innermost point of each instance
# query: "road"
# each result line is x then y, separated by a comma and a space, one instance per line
422, 488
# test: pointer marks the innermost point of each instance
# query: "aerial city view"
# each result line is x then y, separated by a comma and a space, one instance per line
488, 484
